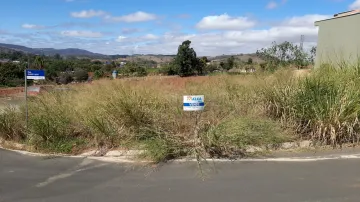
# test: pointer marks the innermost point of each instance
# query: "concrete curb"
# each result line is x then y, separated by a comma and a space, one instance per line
118, 157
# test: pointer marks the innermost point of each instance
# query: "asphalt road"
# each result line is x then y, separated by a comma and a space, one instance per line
40, 179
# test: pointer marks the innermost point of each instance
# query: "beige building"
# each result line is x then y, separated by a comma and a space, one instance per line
339, 39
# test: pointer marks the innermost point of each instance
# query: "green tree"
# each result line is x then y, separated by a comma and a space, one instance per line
186, 59
249, 61
230, 63
39, 62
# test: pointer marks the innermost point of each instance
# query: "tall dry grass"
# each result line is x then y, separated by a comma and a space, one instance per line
146, 113
323, 107
241, 110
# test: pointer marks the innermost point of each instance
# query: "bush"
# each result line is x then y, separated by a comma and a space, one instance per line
65, 78
80, 75
98, 74
232, 137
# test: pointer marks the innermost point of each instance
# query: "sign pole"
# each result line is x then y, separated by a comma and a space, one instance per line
26, 104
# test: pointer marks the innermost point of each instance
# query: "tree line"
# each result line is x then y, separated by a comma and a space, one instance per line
185, 63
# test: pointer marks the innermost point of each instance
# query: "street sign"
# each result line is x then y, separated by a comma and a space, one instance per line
35, 74
193, 103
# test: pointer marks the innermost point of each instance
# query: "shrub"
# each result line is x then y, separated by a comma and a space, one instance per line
80, 75
65, 78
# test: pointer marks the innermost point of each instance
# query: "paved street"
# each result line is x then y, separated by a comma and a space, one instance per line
40, 179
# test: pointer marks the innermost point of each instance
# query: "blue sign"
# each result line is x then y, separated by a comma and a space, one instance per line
193, 103
35, 74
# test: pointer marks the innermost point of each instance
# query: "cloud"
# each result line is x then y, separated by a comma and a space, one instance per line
271, 5
306, 20
88, 14
224, 22
32, 26
355, 5
139, 16
87, 34
225, 39
130, 30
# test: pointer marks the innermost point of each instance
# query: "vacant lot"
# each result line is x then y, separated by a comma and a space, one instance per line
146, 113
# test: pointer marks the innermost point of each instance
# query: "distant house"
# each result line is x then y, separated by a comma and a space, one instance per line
338, 39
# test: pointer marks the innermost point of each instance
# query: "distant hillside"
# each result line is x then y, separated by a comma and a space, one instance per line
74, 52
51, 51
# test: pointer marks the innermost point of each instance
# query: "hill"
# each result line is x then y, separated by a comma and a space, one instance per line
75, 52
51, 51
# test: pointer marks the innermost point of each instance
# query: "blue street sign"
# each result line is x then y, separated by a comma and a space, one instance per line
35, 74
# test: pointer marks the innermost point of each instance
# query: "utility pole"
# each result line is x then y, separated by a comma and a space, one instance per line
302, 38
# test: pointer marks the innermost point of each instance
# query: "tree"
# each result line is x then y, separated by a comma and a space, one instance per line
57, 56
284, 54
230, 63
39, 62
249, 61
186, 59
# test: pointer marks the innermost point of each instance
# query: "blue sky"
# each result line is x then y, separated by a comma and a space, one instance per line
159, 26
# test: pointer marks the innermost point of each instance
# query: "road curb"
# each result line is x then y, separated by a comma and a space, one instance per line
118, 157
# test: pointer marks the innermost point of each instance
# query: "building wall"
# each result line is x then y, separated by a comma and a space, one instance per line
338, 40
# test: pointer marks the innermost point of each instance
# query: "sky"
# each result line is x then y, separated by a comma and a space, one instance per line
214, 27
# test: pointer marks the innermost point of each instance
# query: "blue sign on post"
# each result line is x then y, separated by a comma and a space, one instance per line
35, 74
193, 103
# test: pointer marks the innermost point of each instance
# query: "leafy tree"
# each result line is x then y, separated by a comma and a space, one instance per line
230, 63
249, 61
39, 62
186, 59
284, 54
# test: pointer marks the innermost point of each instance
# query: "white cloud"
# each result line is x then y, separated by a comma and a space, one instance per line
150, 37
88, 14
121, 38
86, 34
133, 17
306, 20
355, 5
231, 40
32, 26
224, 22
271, 5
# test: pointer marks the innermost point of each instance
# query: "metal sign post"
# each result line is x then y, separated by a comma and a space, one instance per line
195, 104
26, 105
